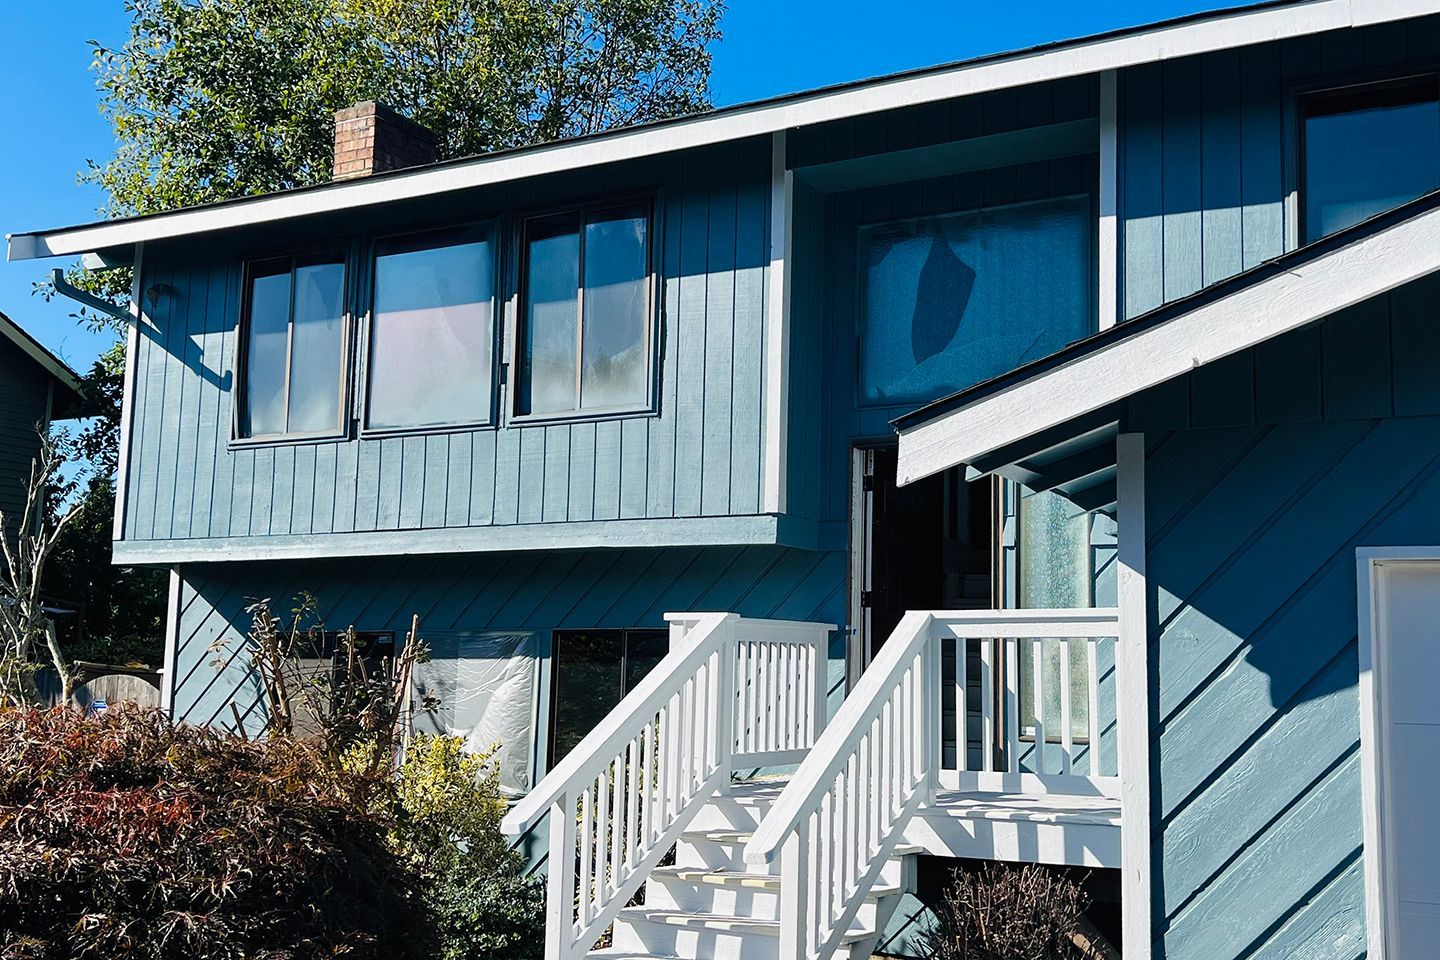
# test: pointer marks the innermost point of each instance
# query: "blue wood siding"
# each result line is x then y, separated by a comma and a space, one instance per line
539, 591
700, 455
1207, 151
24, 404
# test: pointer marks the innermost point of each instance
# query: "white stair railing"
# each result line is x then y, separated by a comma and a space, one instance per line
845, 810
731, 689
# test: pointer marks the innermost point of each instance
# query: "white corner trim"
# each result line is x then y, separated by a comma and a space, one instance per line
1107, 259
127, 396
1132, 678
1370, 562
1266, 309
1219, 31
777, 329
172, 642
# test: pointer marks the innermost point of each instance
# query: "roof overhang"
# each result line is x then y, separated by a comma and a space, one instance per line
1051, 424
1188, 36
66, 379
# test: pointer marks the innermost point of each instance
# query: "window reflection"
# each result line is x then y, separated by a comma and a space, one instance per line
431, 337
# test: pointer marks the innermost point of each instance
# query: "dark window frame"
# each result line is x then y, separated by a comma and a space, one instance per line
650, 203
553, 708
343, 254
1357, 94
487, 229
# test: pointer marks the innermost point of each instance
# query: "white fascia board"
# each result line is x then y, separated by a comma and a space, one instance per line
1224, 30
1287, 301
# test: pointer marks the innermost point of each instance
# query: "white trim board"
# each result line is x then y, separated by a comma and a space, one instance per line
1164, 41
1379, 877
1132, 697
579, 535
32, 348
1366, 268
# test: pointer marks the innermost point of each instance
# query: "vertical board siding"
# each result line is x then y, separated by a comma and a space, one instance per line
24, 405
1254, 666
1208, 152
696, 455
512, 592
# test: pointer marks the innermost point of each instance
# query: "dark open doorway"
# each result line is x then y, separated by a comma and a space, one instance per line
930, 545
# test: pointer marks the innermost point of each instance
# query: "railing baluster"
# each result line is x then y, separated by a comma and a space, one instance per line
1092, 687
632, 801
1038, 698
587, 851
1067, 736
987, 705
602, 820
962, 737
1012, 705
647, 788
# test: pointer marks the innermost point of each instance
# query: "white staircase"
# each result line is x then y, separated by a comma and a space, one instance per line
711, 904
812, 867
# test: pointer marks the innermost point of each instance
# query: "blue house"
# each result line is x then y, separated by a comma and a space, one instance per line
1032, 459
35, 387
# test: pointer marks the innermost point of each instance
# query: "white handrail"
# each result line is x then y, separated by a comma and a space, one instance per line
730, 688
845, 810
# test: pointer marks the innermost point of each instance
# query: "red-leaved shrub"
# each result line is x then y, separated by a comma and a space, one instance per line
122, 836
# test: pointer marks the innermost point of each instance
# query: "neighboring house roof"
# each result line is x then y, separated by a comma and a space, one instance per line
1186, 36
1053, 419
66, 379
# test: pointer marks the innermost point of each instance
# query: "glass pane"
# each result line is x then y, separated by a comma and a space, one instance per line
431, 340
316, 348
643, 650
266, 344
587, 684
1368, 158
950, 301
616, 314
1054, 561
552, 284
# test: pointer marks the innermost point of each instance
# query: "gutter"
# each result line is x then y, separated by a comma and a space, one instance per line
86, 298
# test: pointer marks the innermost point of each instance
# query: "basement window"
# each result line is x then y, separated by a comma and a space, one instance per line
1366, 150
586, 330
293, 341
432, 332
594, 669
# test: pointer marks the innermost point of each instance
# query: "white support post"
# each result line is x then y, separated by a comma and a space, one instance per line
560, 895
127, 395
1108, 247
777, 329
727, 665
795, 917
172, 643
1133, 698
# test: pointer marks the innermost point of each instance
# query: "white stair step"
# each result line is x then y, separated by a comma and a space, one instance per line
612, 953
751, 881
720, 923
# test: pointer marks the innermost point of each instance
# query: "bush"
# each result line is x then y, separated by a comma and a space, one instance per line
1006, 912
448, 832
123, 835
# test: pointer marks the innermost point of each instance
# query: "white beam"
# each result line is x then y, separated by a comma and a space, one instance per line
777, 329
1132, 697
1189, 37
1266, 309
1108, 246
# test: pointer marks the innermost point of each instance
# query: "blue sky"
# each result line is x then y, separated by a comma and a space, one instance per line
48, 100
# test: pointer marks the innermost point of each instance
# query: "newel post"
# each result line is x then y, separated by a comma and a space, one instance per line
795, 880
560, 882
930, 683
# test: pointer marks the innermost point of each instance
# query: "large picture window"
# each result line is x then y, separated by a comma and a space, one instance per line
585, 337
948, 301
432, 332
293, 332
1366, 150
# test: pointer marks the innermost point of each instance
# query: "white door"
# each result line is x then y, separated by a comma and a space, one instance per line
1405, 780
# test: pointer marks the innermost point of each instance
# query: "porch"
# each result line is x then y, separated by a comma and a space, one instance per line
932, 752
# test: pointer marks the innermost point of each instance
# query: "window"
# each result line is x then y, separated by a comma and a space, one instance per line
1366, 150
293, 336
948, 301
594, 669
432, 332
586, 322
1055, 570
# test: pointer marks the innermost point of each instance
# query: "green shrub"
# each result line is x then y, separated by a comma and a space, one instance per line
448, 831
124, 836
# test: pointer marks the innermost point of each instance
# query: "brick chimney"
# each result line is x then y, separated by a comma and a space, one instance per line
372, 138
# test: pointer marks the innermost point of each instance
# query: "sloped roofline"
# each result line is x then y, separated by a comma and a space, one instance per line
1271, 299
1186, 36
53, 365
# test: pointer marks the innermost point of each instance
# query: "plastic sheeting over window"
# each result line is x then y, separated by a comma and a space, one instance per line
953, 300
485, 685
